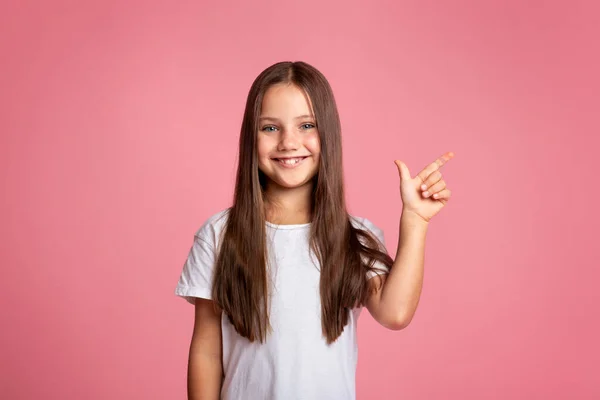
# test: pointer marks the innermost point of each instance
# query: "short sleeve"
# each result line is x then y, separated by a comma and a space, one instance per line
380, 268
196, 277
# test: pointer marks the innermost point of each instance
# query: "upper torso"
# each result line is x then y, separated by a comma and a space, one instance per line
295, 361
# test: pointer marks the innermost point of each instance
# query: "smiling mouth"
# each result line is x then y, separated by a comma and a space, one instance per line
290, 161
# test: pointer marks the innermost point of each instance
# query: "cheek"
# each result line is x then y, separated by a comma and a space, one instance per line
313, 144
262, 149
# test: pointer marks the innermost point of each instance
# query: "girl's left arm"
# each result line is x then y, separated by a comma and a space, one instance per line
394, 303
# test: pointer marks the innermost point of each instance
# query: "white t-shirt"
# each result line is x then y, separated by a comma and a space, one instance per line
295, 362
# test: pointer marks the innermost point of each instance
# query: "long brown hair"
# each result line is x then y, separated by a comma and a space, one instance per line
344, 251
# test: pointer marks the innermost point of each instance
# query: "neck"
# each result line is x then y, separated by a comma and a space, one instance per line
286, 206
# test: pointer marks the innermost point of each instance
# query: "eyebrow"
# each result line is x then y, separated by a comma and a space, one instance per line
298, 117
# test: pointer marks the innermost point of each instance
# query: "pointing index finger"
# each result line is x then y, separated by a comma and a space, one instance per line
434, 166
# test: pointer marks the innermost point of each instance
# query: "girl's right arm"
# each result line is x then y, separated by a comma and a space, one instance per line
205, 368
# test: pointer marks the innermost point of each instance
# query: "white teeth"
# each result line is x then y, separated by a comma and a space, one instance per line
291, 161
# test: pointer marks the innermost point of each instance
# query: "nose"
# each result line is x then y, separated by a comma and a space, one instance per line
288, 141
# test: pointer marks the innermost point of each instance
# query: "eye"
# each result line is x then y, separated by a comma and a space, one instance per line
268, 128
308, 126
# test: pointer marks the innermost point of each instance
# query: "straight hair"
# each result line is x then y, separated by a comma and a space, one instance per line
345, 252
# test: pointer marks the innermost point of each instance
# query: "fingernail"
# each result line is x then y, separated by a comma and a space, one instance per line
423, 186
425, 194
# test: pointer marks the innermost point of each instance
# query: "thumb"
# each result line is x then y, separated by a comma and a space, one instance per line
403, 170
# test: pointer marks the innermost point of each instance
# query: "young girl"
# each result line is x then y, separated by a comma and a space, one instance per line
279, 279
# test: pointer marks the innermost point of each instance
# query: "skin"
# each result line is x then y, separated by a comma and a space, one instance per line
205, 368
287, 128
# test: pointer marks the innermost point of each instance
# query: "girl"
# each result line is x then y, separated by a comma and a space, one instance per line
279, 279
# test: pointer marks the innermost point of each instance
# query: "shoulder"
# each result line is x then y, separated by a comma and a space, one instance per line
367, 225
364, 223
211, 229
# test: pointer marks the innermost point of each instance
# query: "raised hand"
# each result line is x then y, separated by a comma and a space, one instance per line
425, 194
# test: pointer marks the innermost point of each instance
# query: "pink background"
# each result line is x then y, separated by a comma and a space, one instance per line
119, 131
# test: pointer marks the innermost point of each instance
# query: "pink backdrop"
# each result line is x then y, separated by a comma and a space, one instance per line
119, 130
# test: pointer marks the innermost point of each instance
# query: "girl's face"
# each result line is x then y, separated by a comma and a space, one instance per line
288, 142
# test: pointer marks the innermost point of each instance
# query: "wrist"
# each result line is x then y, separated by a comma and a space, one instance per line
413, 219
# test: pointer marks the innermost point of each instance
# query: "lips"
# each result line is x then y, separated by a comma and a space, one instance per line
290, 162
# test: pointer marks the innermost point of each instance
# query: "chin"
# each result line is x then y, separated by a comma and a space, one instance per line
289, 180
291, 184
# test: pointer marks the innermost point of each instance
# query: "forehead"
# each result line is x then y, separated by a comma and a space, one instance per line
285, 101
